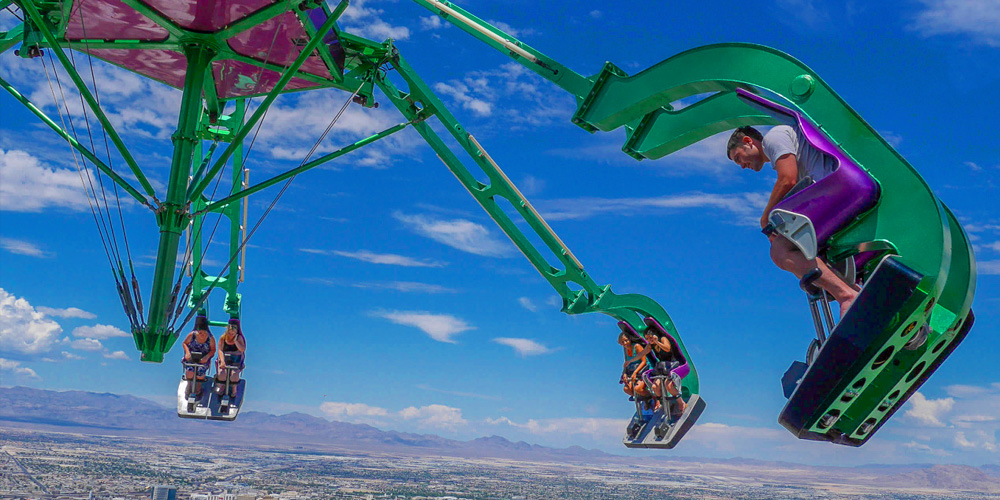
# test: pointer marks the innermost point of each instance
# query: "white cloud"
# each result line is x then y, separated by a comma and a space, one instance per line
30, 186
531, 185
71, 356
596, 14
434, 416
87, 345
432, 23
929, 412
23, 329
352, 412
527, 304
21, 247
102, 332
440, 327
15, 367
408, 287
117, 355
744, 206
509, 93
69, 312
387, 259
524, 347
598, 428
461, 234
978, 19
991, 267
437, 416
365, 21
460, 92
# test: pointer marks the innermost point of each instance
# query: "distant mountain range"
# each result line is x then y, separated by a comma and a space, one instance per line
88, 412
93, 413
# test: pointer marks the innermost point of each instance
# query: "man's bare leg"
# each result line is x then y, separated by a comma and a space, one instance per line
788, 257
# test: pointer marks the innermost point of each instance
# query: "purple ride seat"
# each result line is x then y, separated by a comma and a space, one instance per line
682, 370
834, 200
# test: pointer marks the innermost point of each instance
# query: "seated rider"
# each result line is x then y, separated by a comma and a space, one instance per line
635, 364
666, 360
796, 161
199, 347
232, 352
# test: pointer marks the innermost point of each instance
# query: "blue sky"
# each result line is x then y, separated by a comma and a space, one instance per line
379, 292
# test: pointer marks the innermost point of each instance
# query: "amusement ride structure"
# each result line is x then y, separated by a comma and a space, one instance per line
874, 218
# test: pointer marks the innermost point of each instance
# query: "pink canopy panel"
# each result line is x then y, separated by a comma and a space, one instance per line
276, 41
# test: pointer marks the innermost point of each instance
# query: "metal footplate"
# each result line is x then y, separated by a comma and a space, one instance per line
658, 430
190, 406
881, 352
225, 407
210, 405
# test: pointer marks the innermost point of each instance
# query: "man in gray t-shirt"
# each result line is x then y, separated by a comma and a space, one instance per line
795, 160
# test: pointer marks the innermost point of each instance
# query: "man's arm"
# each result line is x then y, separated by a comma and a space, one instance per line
788, 175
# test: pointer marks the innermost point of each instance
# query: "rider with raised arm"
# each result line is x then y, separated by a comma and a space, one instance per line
666, 360
199, 347
232, 352
798, 164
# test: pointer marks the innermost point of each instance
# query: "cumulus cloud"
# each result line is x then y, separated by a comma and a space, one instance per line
87, 345
24, 330
21, 247
117, 355
437, 416
102, 332
361, 19
461, 234
509, 92
440, 327
432, 416
69, 312
976, 19
929, 412
524, 347
15, 367
379, 258
70, 356
30, 186
597, 428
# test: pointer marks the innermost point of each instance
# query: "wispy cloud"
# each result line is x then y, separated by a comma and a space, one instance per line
117, 355
15, 367
510, 92
977, 19
21, 247
69, 312
378, 258
527, 304
524, 347
744, 207
988, 267
30, 186
458, 393
407, 287
461, 234
440, 327
102, 332
362, 19
598, 428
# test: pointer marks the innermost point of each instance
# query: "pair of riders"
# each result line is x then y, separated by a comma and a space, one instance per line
646, 363
200, 347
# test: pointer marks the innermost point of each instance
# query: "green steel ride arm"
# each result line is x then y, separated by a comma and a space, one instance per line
908, 221
418, 103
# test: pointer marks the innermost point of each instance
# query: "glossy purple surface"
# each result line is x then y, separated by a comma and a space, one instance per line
273, 41
834, 200
110, 20
206, 15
